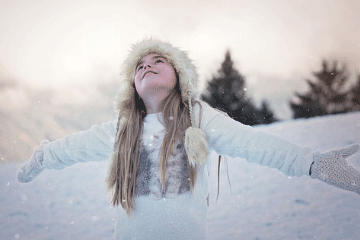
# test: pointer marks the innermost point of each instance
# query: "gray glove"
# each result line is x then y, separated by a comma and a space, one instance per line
34, 166
333, 169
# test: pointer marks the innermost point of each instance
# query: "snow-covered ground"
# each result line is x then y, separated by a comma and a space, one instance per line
263, 203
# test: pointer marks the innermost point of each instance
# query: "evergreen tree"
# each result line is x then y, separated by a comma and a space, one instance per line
226, 91
266, 114
326, 94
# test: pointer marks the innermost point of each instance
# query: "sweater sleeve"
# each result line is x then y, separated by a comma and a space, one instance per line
229, 137
94, 144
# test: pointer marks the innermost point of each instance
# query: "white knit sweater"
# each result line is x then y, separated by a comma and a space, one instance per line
173, 212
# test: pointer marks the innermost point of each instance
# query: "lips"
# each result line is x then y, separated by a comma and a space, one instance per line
147, 73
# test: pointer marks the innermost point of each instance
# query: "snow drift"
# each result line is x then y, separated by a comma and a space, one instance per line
262, 203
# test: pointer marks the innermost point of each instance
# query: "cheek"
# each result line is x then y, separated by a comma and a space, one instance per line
171, 77
137, 83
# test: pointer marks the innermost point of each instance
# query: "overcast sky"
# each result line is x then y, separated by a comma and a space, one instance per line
59, 44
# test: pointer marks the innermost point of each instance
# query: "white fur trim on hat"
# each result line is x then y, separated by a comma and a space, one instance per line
178, 58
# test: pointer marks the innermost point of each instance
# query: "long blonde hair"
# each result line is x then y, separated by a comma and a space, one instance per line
121, 179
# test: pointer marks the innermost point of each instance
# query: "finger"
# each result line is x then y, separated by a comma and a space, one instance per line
348, 151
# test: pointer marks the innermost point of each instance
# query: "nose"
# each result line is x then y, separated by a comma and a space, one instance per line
147, 65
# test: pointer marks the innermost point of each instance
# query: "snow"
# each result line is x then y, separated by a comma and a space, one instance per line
262, 203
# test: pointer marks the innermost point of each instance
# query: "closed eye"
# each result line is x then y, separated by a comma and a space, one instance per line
139, 68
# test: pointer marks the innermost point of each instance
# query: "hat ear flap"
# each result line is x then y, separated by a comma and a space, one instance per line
196, 146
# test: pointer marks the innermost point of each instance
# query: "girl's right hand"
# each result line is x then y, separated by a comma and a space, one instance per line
34, 166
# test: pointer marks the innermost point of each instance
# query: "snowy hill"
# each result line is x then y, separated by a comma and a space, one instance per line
263, 203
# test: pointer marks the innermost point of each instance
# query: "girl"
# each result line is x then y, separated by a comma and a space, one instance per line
158, 148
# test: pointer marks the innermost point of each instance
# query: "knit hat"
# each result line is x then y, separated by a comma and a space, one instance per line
195, 139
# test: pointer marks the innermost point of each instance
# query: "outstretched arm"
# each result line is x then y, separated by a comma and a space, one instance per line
95, 144
229, 137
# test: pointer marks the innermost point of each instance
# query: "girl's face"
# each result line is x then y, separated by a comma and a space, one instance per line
154, 76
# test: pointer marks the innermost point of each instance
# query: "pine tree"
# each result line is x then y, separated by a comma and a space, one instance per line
266, 114
326, 94
226, 91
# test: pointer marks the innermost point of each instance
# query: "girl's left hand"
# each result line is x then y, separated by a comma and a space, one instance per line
332, 168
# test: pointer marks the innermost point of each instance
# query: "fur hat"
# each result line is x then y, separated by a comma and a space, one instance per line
195, 139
